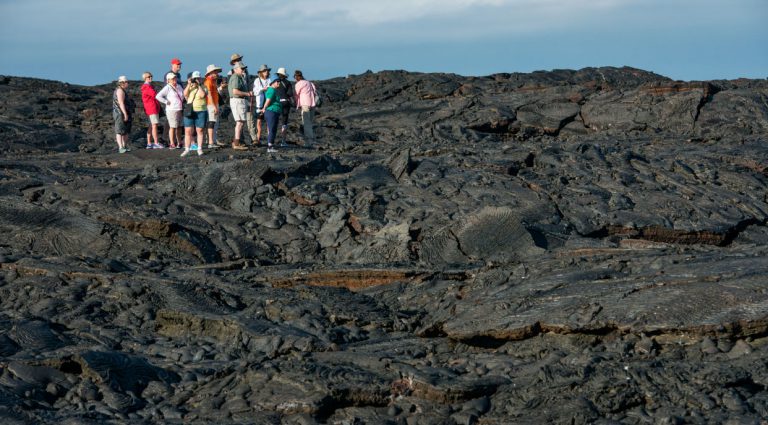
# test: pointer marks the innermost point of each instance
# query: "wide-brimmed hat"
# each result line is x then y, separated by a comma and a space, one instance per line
170, 76
281, 71
264, 68
240, 65
234, 58
212, 68
122, 79
175, 61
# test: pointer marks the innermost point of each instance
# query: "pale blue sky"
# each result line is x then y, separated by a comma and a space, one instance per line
95, 41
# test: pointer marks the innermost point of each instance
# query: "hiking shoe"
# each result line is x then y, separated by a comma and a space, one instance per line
157, 146
193, 147
210, 146
239, 148
185, 153
150, 147
220, 143
122, 150
270, 149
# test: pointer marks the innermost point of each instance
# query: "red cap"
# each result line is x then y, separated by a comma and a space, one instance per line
175, 61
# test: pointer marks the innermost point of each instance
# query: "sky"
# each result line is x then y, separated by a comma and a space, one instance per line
94, 41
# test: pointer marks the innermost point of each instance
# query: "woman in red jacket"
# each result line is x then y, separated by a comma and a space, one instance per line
152, 109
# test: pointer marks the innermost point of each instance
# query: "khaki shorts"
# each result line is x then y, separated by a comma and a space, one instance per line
239, 109
154, 119
212, 115
174, 119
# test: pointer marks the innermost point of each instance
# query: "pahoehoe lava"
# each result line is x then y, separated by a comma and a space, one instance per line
554, 247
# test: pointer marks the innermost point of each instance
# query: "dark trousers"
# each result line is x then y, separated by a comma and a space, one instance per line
273, 119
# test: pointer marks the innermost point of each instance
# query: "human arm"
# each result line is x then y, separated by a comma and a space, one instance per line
239, 92
267, 101
162, 97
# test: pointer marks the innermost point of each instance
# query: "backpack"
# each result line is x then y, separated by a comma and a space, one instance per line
285, 94
318, 99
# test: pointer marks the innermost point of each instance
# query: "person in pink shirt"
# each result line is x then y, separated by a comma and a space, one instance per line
152, 109
305, 94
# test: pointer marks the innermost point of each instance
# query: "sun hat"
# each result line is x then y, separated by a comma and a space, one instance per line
234, 58
240, 65
170, 76
175, 61
264, 68
122, 79
212, 68
281, 71
196, 74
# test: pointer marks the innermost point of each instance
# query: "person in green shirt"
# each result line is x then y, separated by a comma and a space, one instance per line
272, 111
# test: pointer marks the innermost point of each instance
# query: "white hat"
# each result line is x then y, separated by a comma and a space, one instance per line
212, 68
122, 79
281, 71
196, 74
170, 76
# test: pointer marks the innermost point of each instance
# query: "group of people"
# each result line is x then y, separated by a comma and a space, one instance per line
197, 106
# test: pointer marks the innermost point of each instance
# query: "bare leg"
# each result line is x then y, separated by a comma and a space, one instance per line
238, 130
200, 140
172, 136
155, 134
187, 137
258, 130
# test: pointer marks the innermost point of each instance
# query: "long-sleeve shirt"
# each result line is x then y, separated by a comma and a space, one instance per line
259, 89
173, 98
151, 105
304, 94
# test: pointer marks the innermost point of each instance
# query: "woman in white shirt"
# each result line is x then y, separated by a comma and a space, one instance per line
172, 96
260, 86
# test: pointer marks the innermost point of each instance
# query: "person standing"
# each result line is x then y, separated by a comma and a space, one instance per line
249, 119
224, 109
173, 97
211, 85
122, 113
260, 86
176, 70
305, 97
285, 91
272, 111
195, 94
152, 109
239, 97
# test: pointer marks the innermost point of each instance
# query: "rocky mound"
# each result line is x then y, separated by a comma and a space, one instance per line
566, 247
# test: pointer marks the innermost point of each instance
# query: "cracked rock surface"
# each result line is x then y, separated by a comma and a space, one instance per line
556, 247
